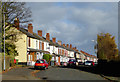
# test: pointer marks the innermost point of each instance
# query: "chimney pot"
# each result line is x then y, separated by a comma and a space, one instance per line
54, 40
48, 36
40, 33
59, 42
75, 48
71, 46
30, 28
16, 22
63, 45
67, 45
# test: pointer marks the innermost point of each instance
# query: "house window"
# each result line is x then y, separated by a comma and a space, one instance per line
40, 45
28, 57
31, 57
65, 53
46, 46
58, 51
36, 44
29, 42
37, 56
62, 52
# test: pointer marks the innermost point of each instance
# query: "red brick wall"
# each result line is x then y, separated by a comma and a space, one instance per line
54, 40
48, 36
40, 33
30, 28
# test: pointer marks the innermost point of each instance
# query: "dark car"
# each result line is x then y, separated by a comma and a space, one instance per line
71, 62
89, 63
80, 63
41, 63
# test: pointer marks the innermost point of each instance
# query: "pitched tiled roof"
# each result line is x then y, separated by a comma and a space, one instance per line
88, 54
36, 36
25, 31
93, 56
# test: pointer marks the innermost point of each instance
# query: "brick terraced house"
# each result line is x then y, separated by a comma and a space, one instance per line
32, 46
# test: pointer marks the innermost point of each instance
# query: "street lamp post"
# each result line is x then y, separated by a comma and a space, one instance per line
96, 44
4, 39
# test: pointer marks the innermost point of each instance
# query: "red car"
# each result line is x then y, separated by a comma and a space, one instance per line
41, 63
71, 62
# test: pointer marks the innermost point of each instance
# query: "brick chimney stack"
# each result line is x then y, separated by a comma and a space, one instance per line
54, 40
63, 45
16, 22
48, 36
75, 48
59, 42
40, 33
67, 45
71, 46
30, 28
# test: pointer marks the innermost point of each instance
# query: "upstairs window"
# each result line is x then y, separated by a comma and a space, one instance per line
40, 45
29, 41
36, 44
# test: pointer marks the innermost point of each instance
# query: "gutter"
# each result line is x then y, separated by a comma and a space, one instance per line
110, 79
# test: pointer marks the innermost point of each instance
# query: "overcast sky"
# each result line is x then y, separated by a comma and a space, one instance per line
75, 23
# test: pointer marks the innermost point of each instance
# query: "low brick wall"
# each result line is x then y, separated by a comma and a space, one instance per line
9, 62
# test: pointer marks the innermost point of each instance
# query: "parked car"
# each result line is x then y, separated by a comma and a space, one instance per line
71, 62
80, 63
96, 63
89, 63
63, 63
41, 63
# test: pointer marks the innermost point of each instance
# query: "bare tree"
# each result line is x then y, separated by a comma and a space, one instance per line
19, 10
13, 10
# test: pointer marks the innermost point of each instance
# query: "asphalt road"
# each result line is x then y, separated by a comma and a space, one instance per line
58, 73
53, 73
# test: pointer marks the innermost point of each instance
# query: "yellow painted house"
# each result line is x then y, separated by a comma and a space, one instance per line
30, 46
21, 47
20, 43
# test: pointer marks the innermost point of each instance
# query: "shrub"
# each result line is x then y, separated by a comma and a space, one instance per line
47, 57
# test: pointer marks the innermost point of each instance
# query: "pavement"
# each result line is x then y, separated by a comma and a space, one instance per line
22, 73
111, 78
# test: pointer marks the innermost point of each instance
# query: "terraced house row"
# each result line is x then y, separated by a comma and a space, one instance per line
32, 46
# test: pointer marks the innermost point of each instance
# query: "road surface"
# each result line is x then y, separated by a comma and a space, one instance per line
53, 73
59, 73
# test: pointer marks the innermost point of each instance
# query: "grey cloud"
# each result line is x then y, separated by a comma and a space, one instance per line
73, 24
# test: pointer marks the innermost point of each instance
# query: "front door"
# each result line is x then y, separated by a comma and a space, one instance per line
59, 60
31, 56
